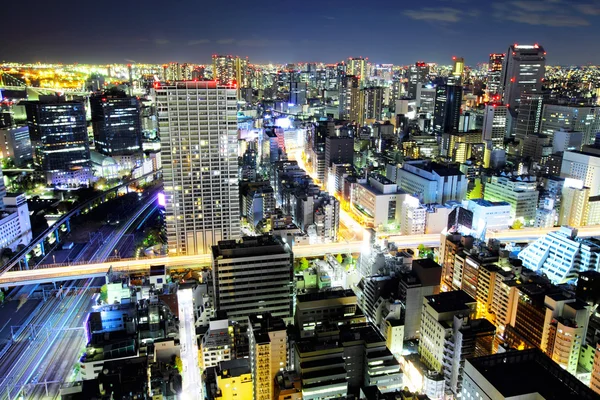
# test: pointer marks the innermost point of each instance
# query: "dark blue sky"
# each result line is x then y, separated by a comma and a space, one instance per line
399, 32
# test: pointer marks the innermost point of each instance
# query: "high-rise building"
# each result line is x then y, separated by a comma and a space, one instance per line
58, 132
231, 71
523, 71
494, 73
520, 193
117, 124
432, 182
357, 66
268, 352
234, 380
446, 115
372, 104
15, 144
251, 276
561, 255
584, 119
338, 150
494, 124
417, 75
198, 130
528, 119
458, 70
350, 98
584, 167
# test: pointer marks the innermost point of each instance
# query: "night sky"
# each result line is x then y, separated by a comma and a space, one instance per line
399, 32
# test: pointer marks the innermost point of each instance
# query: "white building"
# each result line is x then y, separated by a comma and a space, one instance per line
413, 217
217, 343
489, 216
198, 130
520, 192
377, 202
15, 225
432, 182
494, 125
561, 255
582, 166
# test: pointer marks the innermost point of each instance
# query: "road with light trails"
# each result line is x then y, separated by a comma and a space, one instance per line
13, 278
28, 358
192, 381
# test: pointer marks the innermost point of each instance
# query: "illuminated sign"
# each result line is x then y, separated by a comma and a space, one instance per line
162, 201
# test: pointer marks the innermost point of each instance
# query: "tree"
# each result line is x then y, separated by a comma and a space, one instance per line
339, 258
104, 293
518, 224
1, 296
178, 364
304, 264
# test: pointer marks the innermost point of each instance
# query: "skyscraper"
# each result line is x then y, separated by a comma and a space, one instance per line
584, 119
457, 71
116, 119
494, 124
528, 120
522, 71
198, 129
58, 132
231, 71
349, 106
252, 276
357, 66
494, 73
446, 115
417, 74
372, 104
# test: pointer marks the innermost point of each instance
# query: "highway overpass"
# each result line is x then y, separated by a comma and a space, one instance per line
84, 270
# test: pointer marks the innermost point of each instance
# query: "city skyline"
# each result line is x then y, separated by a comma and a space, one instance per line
404, 33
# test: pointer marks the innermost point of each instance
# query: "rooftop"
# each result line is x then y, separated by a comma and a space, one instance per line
519, 373
450, 301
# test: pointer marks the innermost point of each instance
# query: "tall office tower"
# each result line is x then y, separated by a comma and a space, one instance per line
116, 119
494, 73
268, 352
446, 115
522, 72
251, 276
580, 119
528, 120
584, 167
494, 124
357, 66
372, 104
58, 132
297, 92
349, 106
457, 71
417, 74
198, 131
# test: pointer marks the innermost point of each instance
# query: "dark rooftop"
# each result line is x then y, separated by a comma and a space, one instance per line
450, 301
524, 372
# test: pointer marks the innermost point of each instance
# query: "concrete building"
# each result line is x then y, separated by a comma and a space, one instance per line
583, 166
489, 216
565, 327
584, 119
198, 130
574, 205
338, 150
566, 140
413, 216
520, 192
450, 334
494, 124
253, 275
268, 352
217, 344
234, 380
431, 182
528, 120
377, 202
561, 255
15, 225
523, 71
526, 374
595, 378
15, 144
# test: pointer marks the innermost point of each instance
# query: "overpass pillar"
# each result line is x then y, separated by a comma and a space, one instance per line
57, 237
42, 248
25, 263
68, 224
